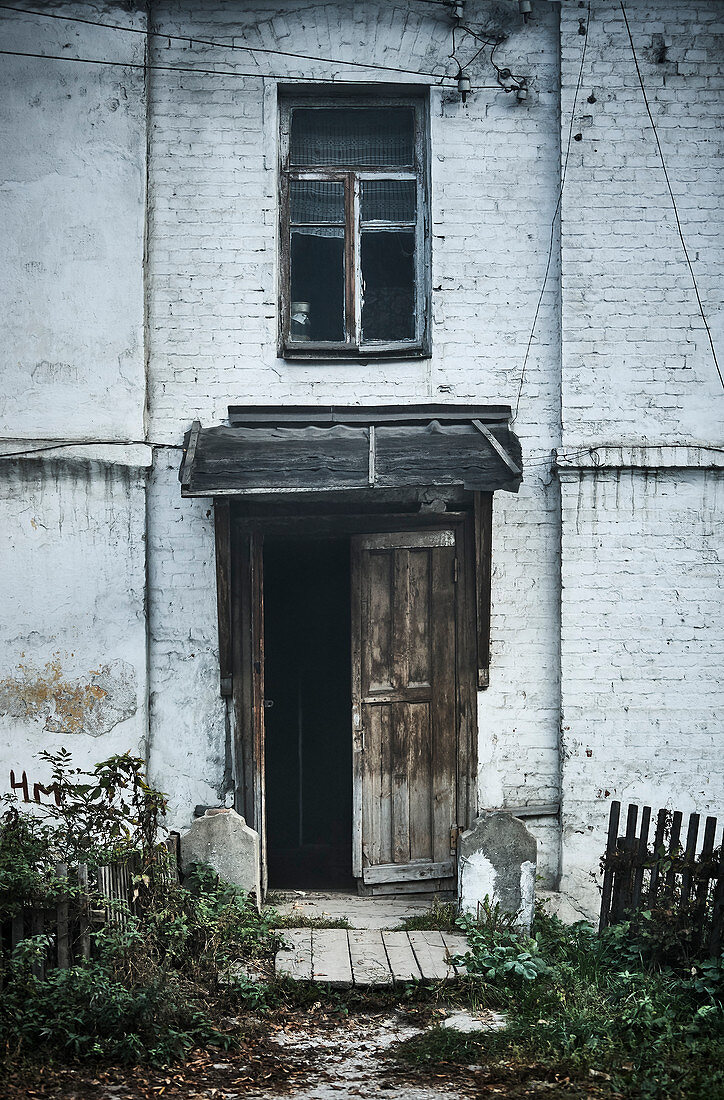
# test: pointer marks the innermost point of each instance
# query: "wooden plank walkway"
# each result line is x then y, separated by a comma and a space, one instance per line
344, 957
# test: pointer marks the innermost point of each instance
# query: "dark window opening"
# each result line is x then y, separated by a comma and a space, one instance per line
362, 136
355, 253
308, 726
388, 280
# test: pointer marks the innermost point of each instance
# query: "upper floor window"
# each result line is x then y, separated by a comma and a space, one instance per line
355, 243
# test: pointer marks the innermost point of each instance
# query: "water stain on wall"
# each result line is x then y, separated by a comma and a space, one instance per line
92, 703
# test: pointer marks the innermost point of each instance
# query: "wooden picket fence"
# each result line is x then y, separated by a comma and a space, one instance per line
101, 898
682, 877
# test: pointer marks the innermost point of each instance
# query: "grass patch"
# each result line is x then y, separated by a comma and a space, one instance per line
592, 1010
441, 917
292, 920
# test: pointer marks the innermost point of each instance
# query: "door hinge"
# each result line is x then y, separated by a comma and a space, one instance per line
455, 831
456, 570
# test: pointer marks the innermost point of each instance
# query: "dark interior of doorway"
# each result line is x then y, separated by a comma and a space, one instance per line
308, 724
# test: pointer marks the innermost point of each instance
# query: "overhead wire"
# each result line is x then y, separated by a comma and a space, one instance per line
89, 443
556, 212
153, 66
191, 38
671, 195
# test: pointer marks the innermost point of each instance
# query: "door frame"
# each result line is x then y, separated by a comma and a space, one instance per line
240, 597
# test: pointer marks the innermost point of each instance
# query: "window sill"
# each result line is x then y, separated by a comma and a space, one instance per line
354, 355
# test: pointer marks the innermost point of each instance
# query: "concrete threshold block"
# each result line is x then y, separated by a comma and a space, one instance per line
498, 859
223, 840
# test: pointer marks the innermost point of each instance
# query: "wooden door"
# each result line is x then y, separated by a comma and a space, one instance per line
404, 709
247, 581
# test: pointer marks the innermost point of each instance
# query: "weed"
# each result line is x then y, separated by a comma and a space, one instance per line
144, 994
594, 1008
442, 917
292, 920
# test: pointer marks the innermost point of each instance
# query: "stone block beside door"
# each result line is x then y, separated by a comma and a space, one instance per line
223, 840
497, 860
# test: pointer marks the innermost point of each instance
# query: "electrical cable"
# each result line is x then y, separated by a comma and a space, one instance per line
152, 67
556, 212
148, 33
671, 195
91, 443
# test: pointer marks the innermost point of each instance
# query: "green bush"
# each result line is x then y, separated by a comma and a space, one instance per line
585, 1006
144, 994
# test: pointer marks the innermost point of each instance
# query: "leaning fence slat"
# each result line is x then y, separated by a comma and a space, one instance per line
692, 835
62, 919
674, 846
716, 936
83, 911
704, 876
629, 847
606, 893
640, 857
658, 848
37, 924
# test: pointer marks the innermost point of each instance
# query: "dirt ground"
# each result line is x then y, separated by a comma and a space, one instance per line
305, 1056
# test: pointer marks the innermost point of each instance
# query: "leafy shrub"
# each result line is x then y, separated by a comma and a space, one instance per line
143, 996
596, 1007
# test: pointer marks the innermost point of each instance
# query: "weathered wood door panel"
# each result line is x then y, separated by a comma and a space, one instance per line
404, 706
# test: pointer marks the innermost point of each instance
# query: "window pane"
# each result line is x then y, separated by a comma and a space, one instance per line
359, 136
317, 270
316, 201
388, 281
388, 200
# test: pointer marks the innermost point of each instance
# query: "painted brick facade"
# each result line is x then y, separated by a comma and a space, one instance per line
605, 633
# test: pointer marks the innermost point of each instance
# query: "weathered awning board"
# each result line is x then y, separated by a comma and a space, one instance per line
268, 451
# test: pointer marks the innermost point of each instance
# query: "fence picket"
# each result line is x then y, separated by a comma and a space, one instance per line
641, 853
676, 877
83, 911
113, 887
17, 931
717, 918
658, 850
607, 890
692, 836
62, 919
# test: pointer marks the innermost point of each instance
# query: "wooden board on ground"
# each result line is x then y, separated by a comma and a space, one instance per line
456, 945
331, 961
369, 958
296, 963
401, 957
432, 955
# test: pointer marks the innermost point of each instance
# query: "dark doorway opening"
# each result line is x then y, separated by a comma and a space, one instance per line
307, 715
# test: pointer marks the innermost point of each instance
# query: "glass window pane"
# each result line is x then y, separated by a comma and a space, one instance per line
388, 200
316, 201
388, 284
359, 136
317, 276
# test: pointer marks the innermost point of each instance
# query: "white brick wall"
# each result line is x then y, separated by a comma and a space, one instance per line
72, 592
213, 302
641, 575
637, 367
630, 646
188, 738
642, 650
72, 209
213, 259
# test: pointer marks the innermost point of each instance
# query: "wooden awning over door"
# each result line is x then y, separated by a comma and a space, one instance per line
265, 451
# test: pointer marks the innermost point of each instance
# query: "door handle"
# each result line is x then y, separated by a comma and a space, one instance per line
268, 703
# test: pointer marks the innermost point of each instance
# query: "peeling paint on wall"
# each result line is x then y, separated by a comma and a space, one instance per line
92, 703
